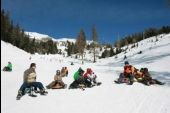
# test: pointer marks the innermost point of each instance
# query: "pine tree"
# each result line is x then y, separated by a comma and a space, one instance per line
111, 52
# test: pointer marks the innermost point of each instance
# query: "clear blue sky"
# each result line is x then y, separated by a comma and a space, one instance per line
65, 18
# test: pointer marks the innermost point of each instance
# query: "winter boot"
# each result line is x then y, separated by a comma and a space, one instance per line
32, 92
158, 82
65, 86
43, 92
99, 83
130, 83
19, 95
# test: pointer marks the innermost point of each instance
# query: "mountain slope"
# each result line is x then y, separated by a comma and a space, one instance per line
107, 98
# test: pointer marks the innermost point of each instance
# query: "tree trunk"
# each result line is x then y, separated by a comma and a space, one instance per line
94, 60
82, 59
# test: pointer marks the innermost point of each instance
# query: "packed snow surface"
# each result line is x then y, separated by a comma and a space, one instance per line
106, 98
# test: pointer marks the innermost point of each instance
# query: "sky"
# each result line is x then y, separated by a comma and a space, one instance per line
113, 19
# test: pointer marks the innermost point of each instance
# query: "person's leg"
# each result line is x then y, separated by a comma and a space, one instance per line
49, 86
5, 68
73, 85
8, 69
158, 82
121, 78
61, 83
21, 91
88, 83
23, 87
38, 85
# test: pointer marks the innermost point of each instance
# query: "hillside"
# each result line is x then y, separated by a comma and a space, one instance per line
107, 98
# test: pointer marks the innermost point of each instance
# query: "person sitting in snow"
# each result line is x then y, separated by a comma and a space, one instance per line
57, 83
147, 79
128, 75
90, 78
78, 79
8, 67
64, 72
30, 81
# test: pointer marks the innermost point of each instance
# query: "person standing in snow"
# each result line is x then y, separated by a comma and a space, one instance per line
29, 80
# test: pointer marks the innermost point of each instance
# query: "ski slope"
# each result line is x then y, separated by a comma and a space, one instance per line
107, 98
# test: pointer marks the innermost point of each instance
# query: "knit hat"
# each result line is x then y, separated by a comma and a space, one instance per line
126, 62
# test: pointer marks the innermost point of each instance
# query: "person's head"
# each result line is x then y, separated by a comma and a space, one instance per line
9, 62
33, 65
126, 63
81, 71
89, 70
65, 67
58, 72
145, 70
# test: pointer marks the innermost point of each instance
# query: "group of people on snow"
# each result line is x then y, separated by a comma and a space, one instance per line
82, 79
131, 74
30, 84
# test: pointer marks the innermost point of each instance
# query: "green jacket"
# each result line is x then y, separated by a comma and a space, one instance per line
76, 75
9, 66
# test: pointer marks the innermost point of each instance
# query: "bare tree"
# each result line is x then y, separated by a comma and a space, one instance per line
81, 43
94, 43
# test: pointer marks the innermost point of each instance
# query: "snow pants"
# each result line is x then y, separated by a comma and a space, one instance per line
29, 85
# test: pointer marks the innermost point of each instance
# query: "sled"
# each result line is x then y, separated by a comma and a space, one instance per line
57, 86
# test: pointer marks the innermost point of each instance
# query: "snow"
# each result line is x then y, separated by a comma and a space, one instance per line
107, 98
66, 39
40, 36
37, 35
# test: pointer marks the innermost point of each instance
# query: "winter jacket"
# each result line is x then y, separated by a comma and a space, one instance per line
31, 78
58, 79
9, 66
64, 72
57, 83
86, 75
27, 74
129, 69
76, 75
139, 76
90, 76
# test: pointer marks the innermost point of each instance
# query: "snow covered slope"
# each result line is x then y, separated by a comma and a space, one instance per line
107, 98
36, 35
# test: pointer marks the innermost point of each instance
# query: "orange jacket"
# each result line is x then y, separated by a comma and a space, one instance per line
128, 69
